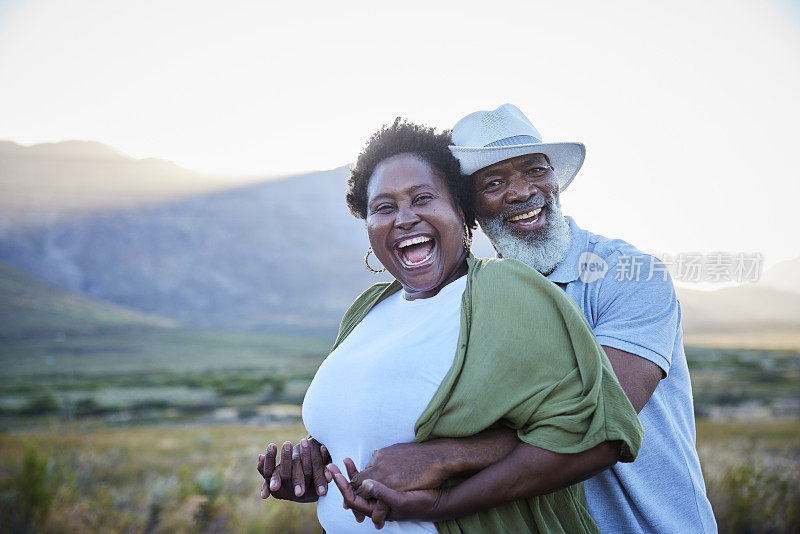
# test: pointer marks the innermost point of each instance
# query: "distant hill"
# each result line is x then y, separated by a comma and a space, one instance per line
753, 315
784, 276
79, 177
30, 307
274, 255
743, 308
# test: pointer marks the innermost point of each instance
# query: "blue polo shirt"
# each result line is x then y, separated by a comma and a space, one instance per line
629, 300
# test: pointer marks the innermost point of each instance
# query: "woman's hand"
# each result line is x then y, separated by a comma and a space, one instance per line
302, 467
382, 504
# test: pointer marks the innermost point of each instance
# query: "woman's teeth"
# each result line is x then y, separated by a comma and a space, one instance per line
413, 241
523, 216
417, 254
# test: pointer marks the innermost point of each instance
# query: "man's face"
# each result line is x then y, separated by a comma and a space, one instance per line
516, 190
517, 206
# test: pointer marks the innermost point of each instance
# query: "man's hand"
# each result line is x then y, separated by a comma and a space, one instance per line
416, 466
407, 466
380, 503
302, 467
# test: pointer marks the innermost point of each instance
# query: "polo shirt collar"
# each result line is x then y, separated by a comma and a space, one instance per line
567, 270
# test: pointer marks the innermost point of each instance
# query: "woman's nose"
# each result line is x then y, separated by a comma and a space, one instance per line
406, 217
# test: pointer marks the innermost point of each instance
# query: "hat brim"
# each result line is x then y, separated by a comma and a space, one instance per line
566, 158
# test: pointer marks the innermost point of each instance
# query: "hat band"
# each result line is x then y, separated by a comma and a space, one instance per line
515, 140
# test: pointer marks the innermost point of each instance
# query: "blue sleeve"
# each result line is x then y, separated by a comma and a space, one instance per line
638, 312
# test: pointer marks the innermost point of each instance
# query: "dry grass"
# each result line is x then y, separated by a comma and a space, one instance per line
202, 479
752, 472
148, 479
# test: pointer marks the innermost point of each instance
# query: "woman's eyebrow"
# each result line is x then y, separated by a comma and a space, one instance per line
415, 188
409, 191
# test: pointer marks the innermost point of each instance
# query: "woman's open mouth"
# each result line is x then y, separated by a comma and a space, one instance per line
415, 252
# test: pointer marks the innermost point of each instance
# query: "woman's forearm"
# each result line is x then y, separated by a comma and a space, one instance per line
527, 471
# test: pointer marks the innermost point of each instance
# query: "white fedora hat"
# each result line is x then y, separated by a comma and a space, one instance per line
484, 138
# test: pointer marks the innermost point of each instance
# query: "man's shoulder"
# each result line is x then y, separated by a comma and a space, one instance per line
607, 247
614, 250
629, 268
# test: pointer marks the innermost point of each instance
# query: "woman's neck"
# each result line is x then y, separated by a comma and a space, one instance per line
457, 273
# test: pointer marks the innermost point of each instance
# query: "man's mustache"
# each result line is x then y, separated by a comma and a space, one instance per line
531, 204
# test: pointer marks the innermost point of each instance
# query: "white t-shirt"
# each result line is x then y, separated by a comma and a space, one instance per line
370, 391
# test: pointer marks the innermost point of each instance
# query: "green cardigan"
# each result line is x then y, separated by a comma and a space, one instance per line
526, 358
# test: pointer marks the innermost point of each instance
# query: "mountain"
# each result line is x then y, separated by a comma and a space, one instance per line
784, 276
79, 177
742, 308
31, 307
273, 255
280, 253
765, 314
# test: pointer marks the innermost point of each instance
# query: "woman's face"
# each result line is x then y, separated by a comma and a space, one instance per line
414, 226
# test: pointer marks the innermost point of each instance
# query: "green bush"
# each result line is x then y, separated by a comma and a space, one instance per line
27, 497
750, 498
40, 405
209, 485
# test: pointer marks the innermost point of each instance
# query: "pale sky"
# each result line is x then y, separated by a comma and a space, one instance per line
689, 110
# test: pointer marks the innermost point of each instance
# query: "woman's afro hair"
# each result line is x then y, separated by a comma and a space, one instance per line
404, 137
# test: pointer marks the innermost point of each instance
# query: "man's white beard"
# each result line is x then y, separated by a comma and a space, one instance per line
543, 249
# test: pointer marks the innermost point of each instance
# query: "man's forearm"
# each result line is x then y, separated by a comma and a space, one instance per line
413, 466
526, 472
467, 456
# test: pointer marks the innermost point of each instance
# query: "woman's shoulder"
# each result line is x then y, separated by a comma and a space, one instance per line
371, 296
361, 306
373, 291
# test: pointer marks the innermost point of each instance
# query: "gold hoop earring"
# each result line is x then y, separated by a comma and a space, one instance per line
366, 262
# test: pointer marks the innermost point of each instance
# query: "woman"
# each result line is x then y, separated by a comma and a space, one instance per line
454, 346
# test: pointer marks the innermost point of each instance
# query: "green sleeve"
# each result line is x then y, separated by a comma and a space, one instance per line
361, 306
538, 367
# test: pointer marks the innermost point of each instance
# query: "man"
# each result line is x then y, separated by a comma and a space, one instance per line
625, 295
518, 180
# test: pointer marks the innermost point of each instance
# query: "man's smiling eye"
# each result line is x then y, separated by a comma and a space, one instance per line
491, 185
423, 198
537, 171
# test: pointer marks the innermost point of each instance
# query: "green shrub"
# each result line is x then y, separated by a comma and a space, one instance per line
40, 405
749, 498
209, 485
27, 497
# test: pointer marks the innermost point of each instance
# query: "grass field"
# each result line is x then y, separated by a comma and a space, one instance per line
171, 374
173, 479
153, 375
153, 429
